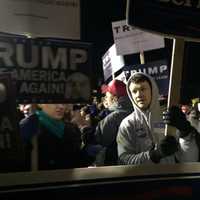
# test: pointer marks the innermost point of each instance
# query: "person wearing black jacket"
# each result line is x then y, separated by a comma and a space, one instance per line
119, 106
49, 141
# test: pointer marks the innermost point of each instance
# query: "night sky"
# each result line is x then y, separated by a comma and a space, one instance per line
96, 19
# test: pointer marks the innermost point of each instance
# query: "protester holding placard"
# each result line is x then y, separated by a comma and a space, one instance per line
139, 140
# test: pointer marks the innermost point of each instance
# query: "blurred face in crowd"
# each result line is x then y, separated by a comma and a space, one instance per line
3, 92
110, 99
25, 108
104, 102
198, 106
185, 109
56, 111
95, 100
82, 112
141, 94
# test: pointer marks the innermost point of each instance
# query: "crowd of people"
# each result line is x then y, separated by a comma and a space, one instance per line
120, 128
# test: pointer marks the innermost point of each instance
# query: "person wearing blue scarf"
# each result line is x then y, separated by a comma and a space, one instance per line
58, 142
54, 126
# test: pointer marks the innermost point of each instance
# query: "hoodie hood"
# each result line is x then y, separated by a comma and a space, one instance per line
153, 114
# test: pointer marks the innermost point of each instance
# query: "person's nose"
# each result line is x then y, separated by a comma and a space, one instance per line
139, 93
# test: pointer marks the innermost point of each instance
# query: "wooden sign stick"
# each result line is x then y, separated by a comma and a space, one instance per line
175, 78
142, 60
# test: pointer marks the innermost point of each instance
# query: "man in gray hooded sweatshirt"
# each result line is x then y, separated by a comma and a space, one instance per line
138, 139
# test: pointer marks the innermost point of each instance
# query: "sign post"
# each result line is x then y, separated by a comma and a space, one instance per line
142, 59
175, 78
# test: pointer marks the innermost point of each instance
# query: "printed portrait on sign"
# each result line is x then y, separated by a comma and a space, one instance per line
77, 87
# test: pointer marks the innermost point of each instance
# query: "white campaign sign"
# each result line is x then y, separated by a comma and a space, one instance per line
112, 62
41, 18
129, 40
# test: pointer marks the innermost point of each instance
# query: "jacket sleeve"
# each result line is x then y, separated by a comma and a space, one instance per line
28, 128
106, 130
126, 145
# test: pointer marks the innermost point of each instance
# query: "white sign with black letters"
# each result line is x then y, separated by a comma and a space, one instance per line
129, 40
112, 62
41, 18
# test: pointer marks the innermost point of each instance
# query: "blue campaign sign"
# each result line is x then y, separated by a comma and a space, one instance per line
48, 71
178, 18
159, 70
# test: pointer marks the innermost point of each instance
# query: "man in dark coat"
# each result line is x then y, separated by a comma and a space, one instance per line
120, 106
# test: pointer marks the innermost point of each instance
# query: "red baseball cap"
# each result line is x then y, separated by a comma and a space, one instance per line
115, 87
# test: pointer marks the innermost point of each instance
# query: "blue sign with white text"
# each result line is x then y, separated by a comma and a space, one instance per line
159, 70
48, 71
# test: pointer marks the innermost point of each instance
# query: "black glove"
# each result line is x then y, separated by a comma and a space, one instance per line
175, 117
168, 146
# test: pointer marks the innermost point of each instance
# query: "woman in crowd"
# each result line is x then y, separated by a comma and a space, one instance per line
50, 141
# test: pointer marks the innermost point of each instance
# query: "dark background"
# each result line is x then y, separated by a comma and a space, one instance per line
96, 19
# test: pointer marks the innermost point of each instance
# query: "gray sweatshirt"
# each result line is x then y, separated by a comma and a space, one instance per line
141, 131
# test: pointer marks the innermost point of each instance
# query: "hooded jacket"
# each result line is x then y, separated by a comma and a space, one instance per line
141, 131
